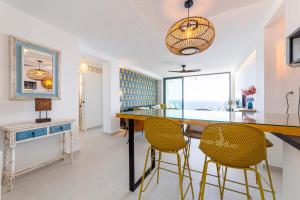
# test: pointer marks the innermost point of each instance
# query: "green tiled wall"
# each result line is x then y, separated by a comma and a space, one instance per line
136, 90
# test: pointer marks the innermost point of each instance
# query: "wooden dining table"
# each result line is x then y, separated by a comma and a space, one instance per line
284, 125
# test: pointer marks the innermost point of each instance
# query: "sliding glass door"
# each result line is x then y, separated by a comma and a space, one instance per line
208, 92
173, 92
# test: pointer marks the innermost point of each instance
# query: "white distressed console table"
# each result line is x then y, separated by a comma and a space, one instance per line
29, 132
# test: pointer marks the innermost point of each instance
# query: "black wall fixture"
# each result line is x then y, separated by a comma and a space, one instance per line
293, 49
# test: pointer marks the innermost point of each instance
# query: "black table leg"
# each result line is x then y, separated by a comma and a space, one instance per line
132, 184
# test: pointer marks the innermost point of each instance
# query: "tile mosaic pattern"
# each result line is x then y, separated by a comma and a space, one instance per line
136, 90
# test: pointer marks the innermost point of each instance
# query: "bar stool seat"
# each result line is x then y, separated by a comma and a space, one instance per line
191, 132
165, 136
225, 145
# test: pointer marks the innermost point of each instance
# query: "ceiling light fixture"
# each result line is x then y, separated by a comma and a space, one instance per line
37, 74
184, 70
47, 82
190, 35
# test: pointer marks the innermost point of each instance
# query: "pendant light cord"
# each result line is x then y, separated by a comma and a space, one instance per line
39, 61
188, 24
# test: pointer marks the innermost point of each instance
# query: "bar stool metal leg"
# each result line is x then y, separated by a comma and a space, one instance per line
203, 180
224, 181
219, 181
270, 180
246, 184
158, 166
259, 184
255, 174
143, 177
180, 176
189, 170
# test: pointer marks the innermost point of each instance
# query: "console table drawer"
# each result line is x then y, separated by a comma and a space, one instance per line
40, 132
59, 128
23, 135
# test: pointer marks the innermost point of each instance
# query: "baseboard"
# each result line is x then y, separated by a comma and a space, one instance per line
273, 168
116, 132
94, 127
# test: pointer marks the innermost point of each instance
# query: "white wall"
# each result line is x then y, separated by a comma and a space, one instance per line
279, 75
291, 175
280, 78
273, 77
111, 85
111, 96
260, 73
262, 70
292, 15
276, 77
245, 75
14, 22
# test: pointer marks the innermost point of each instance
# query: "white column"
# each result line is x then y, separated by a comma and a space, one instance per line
111, 96
291, 173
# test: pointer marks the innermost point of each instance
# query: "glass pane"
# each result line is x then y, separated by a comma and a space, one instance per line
209, 92
221, 116
173, 93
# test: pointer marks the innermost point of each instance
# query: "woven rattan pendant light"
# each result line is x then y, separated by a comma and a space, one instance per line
190, 35
37, 74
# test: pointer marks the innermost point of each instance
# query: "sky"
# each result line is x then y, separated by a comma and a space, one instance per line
200, 88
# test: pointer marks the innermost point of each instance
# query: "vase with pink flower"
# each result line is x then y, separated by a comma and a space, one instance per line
249, 93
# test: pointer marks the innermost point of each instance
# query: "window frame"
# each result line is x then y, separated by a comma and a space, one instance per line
182, 78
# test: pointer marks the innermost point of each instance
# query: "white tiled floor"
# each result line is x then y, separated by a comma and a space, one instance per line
100, 171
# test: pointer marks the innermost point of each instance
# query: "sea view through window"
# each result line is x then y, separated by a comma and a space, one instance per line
207, 92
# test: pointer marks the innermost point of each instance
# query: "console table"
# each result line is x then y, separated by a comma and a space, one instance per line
29, 132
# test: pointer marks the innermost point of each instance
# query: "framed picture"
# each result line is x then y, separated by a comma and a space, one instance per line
34, 71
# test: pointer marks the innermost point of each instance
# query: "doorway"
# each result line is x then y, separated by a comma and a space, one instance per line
90, 95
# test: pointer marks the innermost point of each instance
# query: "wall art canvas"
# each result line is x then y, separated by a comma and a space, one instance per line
136, 90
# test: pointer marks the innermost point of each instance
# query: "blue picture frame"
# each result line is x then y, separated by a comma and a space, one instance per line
26, 56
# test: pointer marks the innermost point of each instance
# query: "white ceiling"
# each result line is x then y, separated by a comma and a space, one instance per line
134, 30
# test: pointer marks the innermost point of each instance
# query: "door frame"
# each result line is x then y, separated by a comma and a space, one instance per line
82, 126
164, 92
82, 96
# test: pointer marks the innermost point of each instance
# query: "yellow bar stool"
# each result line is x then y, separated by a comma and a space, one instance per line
234, 146
163, 106
165, 136
195, 132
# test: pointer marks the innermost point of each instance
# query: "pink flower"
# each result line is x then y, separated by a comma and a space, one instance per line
252, 90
